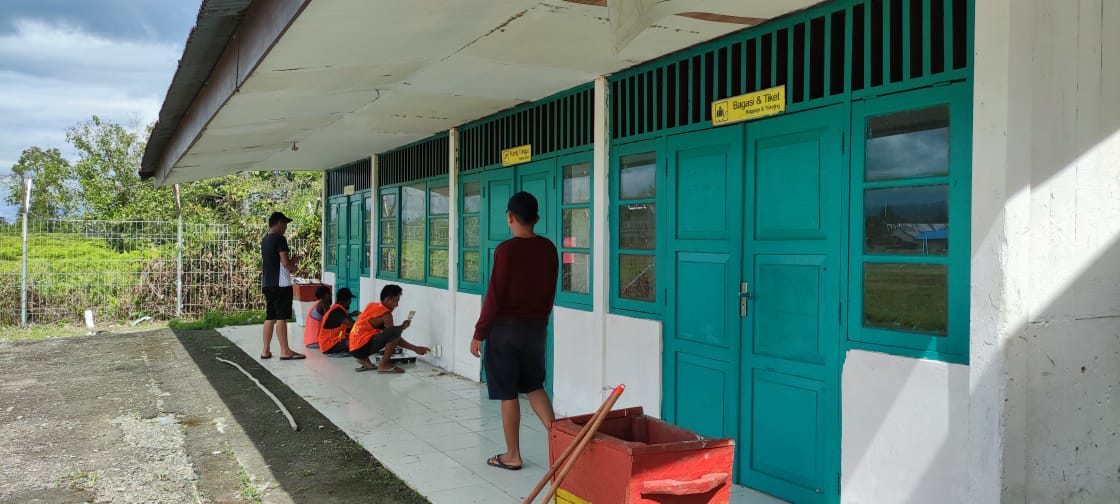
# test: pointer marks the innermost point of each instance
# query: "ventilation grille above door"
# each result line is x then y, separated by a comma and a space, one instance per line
417, 161
559, 123
356, 174
840, 50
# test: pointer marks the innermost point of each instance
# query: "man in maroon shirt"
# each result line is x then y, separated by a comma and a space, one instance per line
514, 321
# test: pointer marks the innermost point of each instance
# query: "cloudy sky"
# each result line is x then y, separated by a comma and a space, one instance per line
62, 61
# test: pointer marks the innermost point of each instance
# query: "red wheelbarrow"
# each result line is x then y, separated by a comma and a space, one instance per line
634, 458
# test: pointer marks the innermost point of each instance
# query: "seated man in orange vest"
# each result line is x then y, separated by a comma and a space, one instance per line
336, 326
314, 317
375, 331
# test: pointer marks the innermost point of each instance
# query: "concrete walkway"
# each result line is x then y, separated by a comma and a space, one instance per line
433, 429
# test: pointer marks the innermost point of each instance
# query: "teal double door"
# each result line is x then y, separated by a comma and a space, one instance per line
348, 221
752, 336
538, 178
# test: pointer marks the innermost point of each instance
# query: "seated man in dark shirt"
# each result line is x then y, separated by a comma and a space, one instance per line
336, 326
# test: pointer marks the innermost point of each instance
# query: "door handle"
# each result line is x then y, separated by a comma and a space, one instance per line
744, 295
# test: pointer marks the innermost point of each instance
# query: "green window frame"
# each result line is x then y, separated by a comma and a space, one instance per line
388, 241
406, 238
576, 225
632, 251
330, 241
439, 213
911, 216
470, 233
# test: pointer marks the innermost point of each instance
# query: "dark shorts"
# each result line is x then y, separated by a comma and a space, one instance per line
514, 359
376, 343
278, 303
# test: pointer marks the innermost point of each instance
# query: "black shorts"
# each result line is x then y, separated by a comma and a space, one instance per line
376, 343
278, 303
514, 360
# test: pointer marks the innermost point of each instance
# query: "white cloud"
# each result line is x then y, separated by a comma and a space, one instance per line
53, 75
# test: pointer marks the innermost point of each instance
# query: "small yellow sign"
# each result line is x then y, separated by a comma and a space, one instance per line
517, 155
749, 106
348, 190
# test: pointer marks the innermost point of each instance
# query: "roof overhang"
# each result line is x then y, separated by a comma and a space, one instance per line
309, 85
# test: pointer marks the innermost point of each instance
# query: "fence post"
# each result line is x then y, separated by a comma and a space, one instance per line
23, 275
179, 257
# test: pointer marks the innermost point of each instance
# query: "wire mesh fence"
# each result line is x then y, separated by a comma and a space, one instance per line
122, 270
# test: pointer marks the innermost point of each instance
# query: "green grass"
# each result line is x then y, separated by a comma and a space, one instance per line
906, 297
215, 319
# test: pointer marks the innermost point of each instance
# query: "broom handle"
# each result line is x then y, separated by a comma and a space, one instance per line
571, 462
602, 411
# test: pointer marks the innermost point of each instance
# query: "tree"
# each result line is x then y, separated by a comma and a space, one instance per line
53, 193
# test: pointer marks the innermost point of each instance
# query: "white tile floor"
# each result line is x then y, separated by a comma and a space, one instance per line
433, 429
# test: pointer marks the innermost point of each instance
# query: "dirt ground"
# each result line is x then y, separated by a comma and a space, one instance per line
153, 417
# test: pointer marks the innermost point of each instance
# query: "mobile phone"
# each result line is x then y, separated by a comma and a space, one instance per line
411, 313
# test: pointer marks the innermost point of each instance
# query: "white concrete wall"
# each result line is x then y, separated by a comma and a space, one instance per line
577, 357
1046, 253
467, 309
329, 278
633, 358
905, 425
433, 312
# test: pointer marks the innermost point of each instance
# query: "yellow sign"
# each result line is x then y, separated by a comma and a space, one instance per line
566, 497
749, 106
517, 155
348, 190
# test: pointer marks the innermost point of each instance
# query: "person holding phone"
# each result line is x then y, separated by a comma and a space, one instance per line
375, 330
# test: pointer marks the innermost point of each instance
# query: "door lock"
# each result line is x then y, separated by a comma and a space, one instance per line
744, 295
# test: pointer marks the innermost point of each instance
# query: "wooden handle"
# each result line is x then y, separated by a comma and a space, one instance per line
571, 462
584, 432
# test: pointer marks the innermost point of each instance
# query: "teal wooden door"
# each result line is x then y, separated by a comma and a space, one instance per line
539, 179
354, 242
340, 212
497, 188
790, 416
704, 171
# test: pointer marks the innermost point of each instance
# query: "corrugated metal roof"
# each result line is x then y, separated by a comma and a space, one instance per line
216, 23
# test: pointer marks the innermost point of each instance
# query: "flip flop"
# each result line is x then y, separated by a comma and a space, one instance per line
269, 356
392, 370
496, 461
294, 356
363, 368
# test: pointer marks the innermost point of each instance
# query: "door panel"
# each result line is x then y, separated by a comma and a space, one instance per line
791, 333
786, 438
701, 347
702, 321
718, 380
355, 254
539, 179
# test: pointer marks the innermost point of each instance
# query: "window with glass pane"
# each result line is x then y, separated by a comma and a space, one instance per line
388, 236
366, 213
438, 207
906, 297
637, 227
471, 243
412, 237
906, 202
575, 244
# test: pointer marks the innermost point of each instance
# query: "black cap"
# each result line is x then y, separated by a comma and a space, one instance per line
345, 293
524, 206
276, 217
